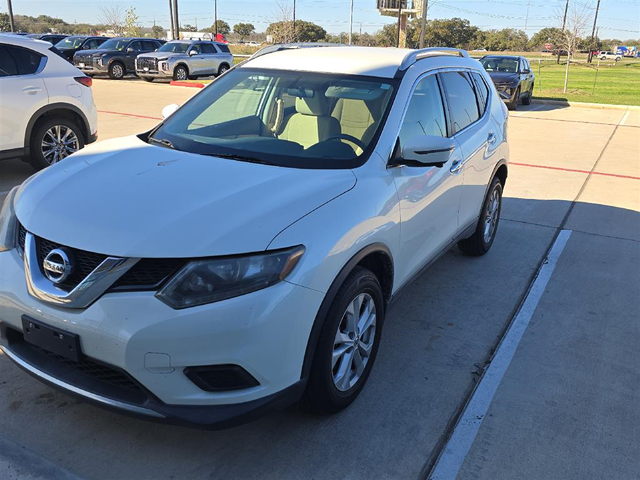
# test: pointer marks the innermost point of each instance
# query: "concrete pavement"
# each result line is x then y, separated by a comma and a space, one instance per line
437, 340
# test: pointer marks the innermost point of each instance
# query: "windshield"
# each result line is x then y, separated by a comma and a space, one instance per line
293, 119
114, 44
177, 47
496, 64
70, 42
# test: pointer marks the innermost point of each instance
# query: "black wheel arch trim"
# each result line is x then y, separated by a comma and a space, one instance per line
318, 323
86, 128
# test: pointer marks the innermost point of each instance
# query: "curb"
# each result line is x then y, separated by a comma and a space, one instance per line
584, 104
186, 84
19, 463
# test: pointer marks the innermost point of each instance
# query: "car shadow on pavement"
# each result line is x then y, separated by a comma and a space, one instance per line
437, 339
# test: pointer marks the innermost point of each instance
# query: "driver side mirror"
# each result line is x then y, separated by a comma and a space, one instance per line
86, 47
426, 151
192, 53
130, 50
526, 71
169, 110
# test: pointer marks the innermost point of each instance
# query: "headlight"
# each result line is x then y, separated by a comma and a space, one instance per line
211, 280
8, 223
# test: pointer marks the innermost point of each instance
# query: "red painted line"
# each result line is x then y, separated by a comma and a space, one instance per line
129, 115
186, 84
575, 171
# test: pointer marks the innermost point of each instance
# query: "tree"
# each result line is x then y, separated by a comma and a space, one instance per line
157, 31
223, 27
453, 32
243, 30
282, 32
5, 26
188, 28
113, 18
281, 27
550, 35
131, 26
507, 39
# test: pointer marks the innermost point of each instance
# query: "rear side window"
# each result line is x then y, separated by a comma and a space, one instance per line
461, 99
482, 92
425, 112
208, 48
18, 61
223, 48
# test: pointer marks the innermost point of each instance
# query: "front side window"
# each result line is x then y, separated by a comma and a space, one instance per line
70, 42
292, 119
425, 112
18, 61
91, 44
137, 46
174, 47
196, 48
461, 99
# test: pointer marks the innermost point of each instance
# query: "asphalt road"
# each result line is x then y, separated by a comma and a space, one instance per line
564, 404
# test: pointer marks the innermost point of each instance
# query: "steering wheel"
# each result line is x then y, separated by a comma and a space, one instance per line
348, 138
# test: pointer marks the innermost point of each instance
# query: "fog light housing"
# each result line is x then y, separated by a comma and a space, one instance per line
220, 378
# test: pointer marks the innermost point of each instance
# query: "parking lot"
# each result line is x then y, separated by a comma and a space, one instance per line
565, 406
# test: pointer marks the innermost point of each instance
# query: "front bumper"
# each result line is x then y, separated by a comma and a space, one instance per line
265, 332
506, 92
154, 73
90, 65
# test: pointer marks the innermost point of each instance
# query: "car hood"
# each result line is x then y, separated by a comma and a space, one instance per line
162, 55
127, 198
503, 77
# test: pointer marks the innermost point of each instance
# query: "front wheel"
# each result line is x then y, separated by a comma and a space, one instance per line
527, 100
180, 73
116, 71
480, 242
348, 344
147, 79
513, 104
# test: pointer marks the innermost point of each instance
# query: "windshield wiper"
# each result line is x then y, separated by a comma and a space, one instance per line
235, 156
163, 142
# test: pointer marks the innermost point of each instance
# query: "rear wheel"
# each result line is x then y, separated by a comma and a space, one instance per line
116, 71
53, 141
180, 73
527, 100
223, 68
480, 242
348, 344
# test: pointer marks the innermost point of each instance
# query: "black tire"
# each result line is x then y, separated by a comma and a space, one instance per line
117, 71
37, 156
477, 245
180, 73
223, 68
321, 394
148, 79
513, 104
527, 100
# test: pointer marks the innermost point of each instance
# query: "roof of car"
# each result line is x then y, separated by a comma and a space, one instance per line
24, 41
368, 61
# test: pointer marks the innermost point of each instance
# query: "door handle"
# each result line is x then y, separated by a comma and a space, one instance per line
456, 168
491, 138
31, 90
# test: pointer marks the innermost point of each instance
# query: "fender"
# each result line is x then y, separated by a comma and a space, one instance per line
56, 106
329, 297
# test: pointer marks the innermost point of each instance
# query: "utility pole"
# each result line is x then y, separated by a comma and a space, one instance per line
177, 18
10, 12
173, 29
423, 28
294, 20
215, 17
564, 22
399, 21
351, 22
526, 20
593, 33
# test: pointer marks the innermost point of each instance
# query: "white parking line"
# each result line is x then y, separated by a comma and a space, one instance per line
624, 118
464, 433
537, 107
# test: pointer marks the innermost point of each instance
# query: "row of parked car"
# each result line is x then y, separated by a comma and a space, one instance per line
148, 58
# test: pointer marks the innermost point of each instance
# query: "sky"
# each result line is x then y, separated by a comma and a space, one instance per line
617, 18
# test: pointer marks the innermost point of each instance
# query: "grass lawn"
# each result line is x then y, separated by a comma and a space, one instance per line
616, 83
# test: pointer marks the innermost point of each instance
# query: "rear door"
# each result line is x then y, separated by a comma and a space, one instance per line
211, 58
22, 93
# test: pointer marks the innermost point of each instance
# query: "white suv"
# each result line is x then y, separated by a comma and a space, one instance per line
242, 255
46, 106
609, 56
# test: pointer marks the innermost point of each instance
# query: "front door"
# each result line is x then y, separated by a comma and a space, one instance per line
429, 196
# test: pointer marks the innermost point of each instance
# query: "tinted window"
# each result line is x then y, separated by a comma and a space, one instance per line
19, 61
91, 44
148, 46
208, 48
137, 46
223, 48
482, 92
8, 65
425, 112
461, 99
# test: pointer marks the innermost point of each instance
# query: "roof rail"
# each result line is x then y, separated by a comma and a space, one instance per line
290, 46
415, 55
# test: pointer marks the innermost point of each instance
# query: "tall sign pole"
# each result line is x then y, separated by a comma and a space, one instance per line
564, 23
399, 21
177, 18
215, 17
173, 28
294, 20
351, 23
593, 33
10, 12
423, 28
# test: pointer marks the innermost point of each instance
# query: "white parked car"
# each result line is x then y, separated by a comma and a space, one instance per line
609, 56
241, 255
46, 106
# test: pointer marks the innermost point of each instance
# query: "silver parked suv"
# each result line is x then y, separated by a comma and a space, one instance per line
185, 59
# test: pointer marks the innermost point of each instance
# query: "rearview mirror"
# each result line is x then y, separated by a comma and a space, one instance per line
192, 53
426, 151
169, 110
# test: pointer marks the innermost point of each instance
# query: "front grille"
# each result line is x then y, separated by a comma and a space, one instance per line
150, 63
147, 274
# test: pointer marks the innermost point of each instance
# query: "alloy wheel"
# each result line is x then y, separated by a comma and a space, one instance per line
181, 74
58, 143
353, 342
491, 216
117, 70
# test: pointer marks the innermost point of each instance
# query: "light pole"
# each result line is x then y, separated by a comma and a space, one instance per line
294, 20
215, 17
10, 12
593, 33
399, 21
351, 22
564, 23
173, 28
425, 7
